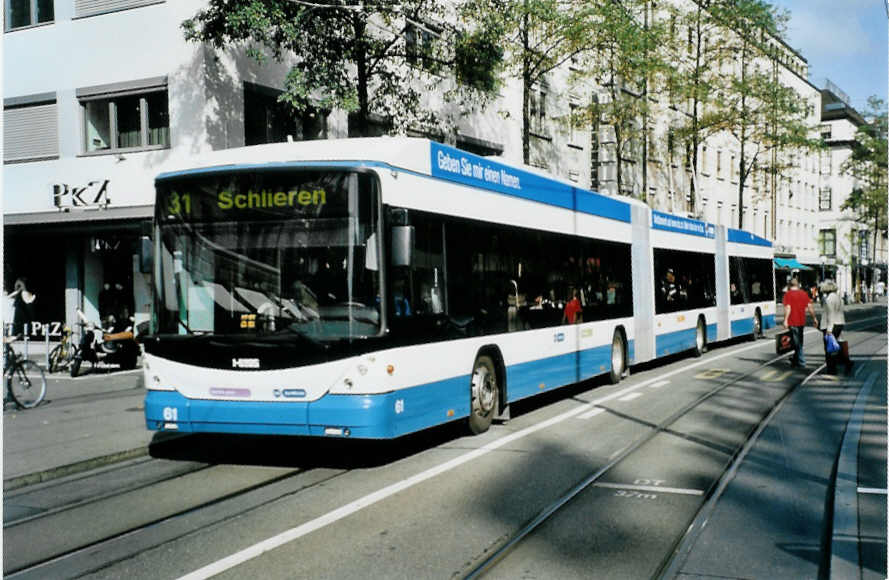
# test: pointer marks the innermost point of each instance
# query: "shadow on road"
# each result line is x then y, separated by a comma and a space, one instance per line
298, 451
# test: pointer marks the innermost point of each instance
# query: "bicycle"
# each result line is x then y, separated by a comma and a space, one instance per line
25, 380
63, 354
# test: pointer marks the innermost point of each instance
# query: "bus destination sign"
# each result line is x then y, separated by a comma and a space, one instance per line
672, 223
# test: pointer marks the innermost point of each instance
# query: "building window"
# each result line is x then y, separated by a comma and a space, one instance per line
719, 164
30, 128
594, 144
828, 243
21, 13
266, 120
538, 111
83, 8
419, 45
574, 131
863, 245
824, 200
125, 116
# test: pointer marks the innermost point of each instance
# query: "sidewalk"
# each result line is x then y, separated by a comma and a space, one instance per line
84, 423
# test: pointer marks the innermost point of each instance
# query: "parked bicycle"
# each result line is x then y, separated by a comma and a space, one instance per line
63, 354
25, 380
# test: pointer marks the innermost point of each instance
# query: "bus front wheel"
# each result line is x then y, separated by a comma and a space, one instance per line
484, 393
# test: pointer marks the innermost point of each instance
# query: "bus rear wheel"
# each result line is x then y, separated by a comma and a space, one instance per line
700, 338
484, 394
757, 325
617, 358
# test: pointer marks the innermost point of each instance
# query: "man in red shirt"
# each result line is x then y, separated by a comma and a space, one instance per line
796, 305
573, 310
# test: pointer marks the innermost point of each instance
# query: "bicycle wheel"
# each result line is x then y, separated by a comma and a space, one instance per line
28, 384
58, 358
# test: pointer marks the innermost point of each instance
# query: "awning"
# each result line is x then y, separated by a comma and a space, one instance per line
789, 264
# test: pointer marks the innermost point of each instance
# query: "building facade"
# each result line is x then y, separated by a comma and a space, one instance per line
85, 135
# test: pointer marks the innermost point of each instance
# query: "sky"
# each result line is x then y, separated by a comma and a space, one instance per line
846, 41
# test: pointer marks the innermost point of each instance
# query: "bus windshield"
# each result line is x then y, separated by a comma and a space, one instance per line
270, 252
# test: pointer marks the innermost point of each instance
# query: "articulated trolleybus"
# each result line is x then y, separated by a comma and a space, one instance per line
375, 287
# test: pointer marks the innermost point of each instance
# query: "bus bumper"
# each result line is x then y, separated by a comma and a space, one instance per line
381, 416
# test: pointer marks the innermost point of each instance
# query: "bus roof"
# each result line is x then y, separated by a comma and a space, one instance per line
429, 158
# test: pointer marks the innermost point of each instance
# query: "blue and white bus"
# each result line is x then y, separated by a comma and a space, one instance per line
375, 287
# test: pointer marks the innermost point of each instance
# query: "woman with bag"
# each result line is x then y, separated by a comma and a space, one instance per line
832, 322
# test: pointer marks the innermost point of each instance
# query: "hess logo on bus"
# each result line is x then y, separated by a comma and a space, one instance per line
245, 363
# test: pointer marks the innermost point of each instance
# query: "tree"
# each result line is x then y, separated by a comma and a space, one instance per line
868, 166
760, 112
364, 58
698, 77
622, 57
537, 37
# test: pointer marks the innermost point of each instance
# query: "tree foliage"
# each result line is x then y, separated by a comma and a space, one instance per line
536, 38
624, 58
868, 166
378, 58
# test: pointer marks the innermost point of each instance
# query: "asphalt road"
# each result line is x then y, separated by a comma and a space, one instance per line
726, 465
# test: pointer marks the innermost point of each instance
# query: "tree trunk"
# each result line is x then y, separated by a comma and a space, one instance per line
363, 114
526, 89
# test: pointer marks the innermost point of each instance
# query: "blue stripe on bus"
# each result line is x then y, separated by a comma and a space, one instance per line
768, 321
742, 326
742, 237
681, 340
366, 416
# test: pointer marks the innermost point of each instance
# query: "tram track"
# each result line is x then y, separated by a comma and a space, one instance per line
510, 544
224, 509
169, 528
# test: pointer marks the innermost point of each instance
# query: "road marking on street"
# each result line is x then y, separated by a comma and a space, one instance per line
630, 397
658, 488
658, 384
297, 532
873, 490
591, 414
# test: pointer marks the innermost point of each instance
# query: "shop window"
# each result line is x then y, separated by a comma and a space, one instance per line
125, 117
30, 128
22, 13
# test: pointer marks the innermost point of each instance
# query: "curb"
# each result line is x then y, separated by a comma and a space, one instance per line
844, 553
52, 473
72, 468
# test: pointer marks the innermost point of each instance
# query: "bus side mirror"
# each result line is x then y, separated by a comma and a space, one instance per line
402, 245
146, 255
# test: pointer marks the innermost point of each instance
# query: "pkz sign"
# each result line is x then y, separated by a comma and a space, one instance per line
93, 194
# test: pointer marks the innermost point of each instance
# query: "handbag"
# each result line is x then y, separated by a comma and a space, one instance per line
830, 344
783, 342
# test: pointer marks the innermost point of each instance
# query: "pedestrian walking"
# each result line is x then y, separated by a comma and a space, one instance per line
832, 322
796, 305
